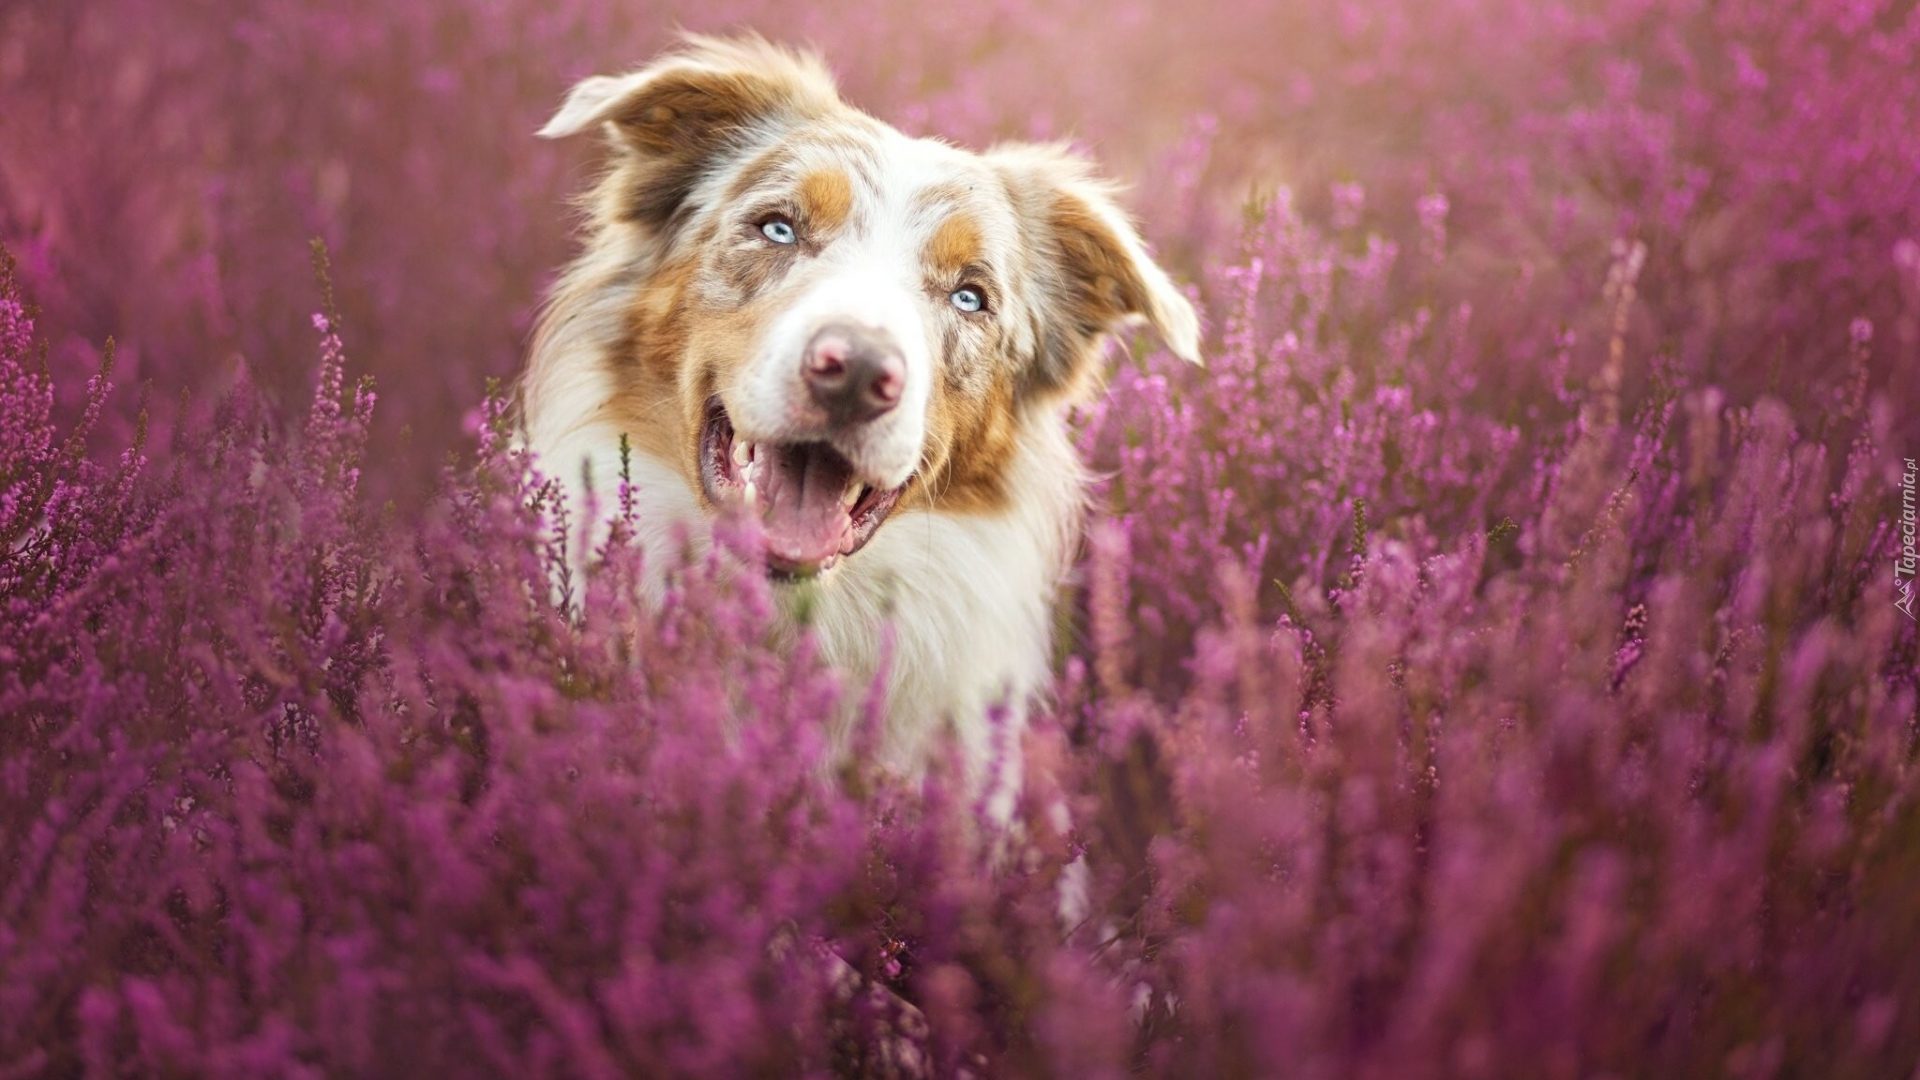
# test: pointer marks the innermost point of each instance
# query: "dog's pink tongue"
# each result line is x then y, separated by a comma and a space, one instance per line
800, 490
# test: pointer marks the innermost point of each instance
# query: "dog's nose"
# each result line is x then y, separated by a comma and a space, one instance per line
853, 373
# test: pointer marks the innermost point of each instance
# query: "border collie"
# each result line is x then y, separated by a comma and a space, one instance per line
869, 341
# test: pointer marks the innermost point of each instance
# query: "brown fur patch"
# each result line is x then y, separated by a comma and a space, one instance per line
1100, 286
647, 405
678, 353
1110, 285
979, 437
826, 199
686, 118
955, 246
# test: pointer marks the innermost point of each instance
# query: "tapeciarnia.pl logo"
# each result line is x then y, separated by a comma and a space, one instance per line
1906, 562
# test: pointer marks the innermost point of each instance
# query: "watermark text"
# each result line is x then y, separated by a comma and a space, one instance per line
1906, 562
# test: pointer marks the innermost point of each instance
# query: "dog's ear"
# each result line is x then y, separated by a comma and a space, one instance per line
1093, 273
673, 120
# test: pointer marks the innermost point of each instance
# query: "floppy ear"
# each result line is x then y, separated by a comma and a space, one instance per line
672, 120
1093, 273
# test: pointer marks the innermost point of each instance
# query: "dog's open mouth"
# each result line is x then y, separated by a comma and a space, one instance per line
812, 504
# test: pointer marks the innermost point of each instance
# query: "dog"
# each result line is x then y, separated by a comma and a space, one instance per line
870, 342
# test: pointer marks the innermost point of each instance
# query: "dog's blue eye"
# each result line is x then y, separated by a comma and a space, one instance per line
968, 300
779, 230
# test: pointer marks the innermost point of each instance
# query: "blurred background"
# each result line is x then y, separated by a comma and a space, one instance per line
1488, 665
163, 165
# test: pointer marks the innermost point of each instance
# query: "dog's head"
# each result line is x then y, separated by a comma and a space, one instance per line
831, 319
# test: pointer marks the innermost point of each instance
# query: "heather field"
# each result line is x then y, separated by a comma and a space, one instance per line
1498, 661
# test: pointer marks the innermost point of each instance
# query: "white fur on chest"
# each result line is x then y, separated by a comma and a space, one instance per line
958, 606
968, 599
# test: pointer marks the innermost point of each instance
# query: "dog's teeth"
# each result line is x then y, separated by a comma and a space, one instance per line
751, 494
851, 495
741, 455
